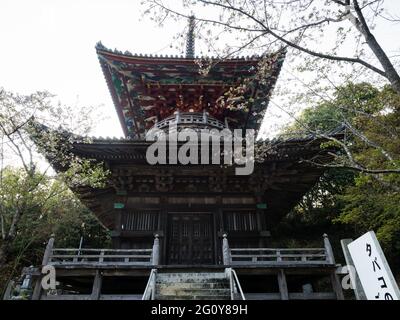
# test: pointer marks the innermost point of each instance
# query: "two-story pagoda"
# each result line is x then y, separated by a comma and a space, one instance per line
207, 220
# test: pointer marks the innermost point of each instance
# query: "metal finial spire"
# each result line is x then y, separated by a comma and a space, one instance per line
190, 39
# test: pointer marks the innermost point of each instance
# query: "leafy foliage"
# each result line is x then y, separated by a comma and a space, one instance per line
351, 202
51, 208
34, 204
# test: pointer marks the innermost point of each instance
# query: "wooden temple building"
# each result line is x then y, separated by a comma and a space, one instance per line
191, 231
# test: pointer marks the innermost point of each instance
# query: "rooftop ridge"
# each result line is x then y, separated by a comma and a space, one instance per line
102, 48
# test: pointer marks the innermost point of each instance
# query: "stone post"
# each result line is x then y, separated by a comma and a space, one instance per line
37, 291
328, 250
48, 251
155, 258
225, 250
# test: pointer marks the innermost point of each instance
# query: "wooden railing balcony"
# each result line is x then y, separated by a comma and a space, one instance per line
272, 255
190, 119
61, 256
277, 256
101, 257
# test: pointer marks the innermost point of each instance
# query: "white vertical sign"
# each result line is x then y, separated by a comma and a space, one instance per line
375, 275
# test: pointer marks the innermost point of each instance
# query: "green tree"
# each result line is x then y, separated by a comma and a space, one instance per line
50, 208
369, 205
21, 138
352, 199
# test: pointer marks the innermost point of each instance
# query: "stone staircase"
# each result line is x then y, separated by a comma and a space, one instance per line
192, 286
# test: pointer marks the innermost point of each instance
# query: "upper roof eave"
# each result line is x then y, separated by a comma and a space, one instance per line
126, 75
101, 49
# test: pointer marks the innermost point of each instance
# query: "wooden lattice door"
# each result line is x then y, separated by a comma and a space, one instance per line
190, 239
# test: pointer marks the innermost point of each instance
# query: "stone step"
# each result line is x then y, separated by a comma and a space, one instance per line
193, 292
192, 297
194, 274
190, 277
192, 280
194, 285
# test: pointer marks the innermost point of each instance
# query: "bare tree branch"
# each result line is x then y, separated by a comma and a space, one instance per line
295, 45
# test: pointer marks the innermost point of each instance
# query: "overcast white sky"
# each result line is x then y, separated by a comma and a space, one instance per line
49, 45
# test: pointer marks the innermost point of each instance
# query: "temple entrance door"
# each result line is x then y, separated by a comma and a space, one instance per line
190, 239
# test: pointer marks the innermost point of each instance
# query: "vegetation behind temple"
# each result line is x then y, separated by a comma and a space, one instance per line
33, 205
51, 209
347, 203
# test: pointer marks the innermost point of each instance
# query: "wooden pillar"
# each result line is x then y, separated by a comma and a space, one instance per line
225, 250
8, 292
336, 285
354, 278
37, 290
118, 220
96, 289
260, 215
215, 235
163, 226
330, 258
155, 257
283, 289
220, 227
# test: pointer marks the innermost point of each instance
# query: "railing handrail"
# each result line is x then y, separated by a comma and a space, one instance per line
72, 256
184, 116
92, 256
149, 292
238, 284
102, 256
100, 250
234, 283
278, 255
312, 256
277, 249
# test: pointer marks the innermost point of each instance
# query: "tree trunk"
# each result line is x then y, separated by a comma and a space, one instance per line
4, 253
390, 71
14, 224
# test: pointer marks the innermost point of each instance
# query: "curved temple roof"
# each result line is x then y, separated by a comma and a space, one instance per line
146, 89
282, 175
